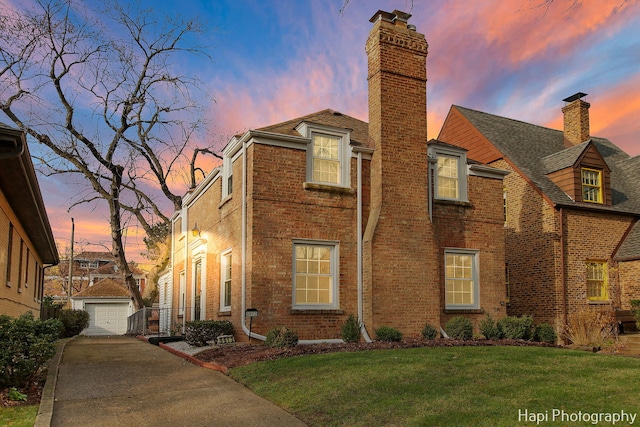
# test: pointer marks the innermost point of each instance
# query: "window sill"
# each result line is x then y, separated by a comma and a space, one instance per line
463, 311
599, 302
453, 202
225, 200
224, 313
336, 312
328, 188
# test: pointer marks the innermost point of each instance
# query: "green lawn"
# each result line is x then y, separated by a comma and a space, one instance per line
18, 416
450, 386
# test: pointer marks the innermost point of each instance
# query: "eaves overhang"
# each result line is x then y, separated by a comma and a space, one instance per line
19, 184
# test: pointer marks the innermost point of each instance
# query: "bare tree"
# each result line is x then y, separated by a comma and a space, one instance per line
104, 96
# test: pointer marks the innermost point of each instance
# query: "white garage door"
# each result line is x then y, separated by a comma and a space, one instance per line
107, 318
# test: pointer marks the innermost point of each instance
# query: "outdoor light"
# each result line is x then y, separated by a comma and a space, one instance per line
196, 231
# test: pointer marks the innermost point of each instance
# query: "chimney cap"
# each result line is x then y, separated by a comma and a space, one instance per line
390, 16
575, 97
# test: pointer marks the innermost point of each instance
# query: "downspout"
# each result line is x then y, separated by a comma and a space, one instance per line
250, 334
363, 328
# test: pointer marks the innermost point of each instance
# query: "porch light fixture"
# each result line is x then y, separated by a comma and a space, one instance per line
195, 232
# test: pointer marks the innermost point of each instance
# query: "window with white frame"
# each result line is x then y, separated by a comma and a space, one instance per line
315, 279
183, 294
451, 172
461, 279
328, 154
227, 176
225, 281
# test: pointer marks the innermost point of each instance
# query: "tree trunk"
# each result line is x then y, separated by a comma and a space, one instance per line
115, 220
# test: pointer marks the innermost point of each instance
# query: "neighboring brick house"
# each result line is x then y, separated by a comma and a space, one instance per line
27, 245
572, 203
323, 216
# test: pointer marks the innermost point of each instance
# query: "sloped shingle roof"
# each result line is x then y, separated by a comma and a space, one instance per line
328, 117
537, 150
105, 288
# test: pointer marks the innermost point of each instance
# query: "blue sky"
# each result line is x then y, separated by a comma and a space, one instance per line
277, 60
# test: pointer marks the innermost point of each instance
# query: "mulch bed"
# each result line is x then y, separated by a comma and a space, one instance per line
33, 392
242, 354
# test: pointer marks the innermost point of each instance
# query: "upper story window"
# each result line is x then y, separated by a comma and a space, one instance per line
597, 283
448, 177
591, 185
326, 159
328, 155
227, 176
451, 172
89, 264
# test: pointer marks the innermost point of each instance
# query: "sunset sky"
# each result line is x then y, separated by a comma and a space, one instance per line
277, 60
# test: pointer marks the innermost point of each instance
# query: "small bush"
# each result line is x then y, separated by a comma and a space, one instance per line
490, 329
517, 328
281, 337
459, 328
545, 333
198, 332
351, 329
73, 322
389, 334
27, 346
429, 332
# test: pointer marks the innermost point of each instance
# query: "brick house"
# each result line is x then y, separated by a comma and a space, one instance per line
27, 245
323, 216
572, 203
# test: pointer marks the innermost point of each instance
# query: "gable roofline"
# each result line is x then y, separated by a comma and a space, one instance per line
525, 145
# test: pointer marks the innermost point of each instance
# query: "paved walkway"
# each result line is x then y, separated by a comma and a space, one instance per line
122, 381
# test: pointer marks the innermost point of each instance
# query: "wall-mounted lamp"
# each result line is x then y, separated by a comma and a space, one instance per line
195, 232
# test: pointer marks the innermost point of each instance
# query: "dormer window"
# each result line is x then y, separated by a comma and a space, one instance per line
326, 159
591, 185
328, 156
450, 173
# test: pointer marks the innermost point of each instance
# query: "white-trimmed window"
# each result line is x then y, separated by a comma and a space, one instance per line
227, 176
450, 172
328, 154
225, 281
461, 279
315, 278
182, 296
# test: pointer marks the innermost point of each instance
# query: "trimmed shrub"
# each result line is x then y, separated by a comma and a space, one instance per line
459, 328
198, 332
635, 308
490, 329
389, 334
517, 328
73, 322
544, 332
351, 329
281, 337
27, 346
429, 332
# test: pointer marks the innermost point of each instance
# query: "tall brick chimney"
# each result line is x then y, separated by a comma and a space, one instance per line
576, 120
400, 262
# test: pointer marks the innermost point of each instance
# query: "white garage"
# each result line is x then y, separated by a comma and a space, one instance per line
108, 304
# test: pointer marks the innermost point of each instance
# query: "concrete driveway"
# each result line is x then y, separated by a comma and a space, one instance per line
122, 381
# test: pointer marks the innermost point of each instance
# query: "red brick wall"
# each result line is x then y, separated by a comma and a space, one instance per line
629, 279
477, 225
400, 269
